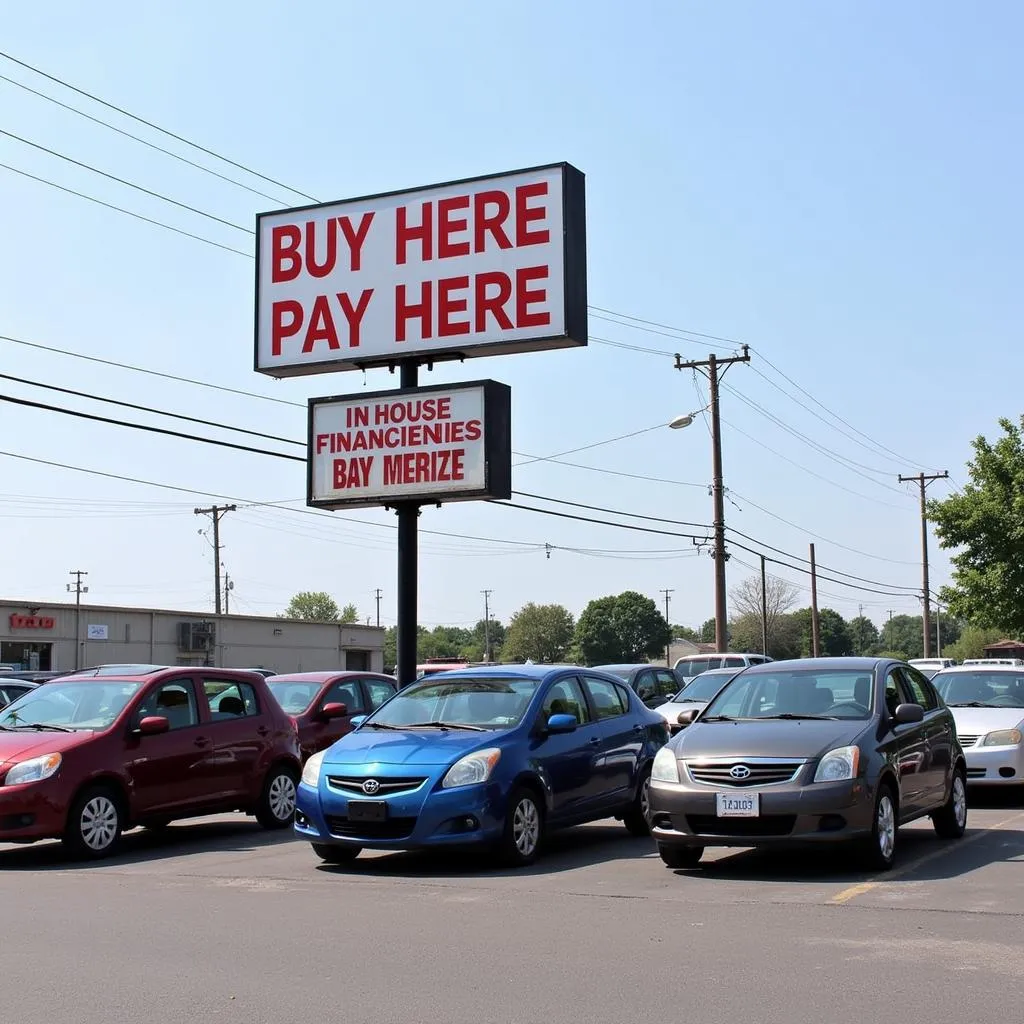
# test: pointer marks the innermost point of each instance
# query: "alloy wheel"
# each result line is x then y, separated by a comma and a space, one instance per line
959, 801
281, 797
98, 823
526, 827
645, 799
886, 825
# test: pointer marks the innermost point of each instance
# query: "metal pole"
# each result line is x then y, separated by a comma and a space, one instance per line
487, 624
923, 480
668, 645
721, 622
764, 608
815, 624
378, 596
408, 563
78, 625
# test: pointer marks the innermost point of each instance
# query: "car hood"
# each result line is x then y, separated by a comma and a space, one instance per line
674, 708
413, 747
21, 745
978, 721
765, 738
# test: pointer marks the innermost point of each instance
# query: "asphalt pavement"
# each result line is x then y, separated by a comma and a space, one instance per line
220, 921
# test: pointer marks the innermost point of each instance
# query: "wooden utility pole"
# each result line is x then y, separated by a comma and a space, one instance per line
378, 594
923, 480
714, 369
815, 622
78, 590
764, 608
216, 513
668, 646
487, 623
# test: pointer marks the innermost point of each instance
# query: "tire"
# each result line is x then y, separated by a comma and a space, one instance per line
638, 818
679, 857
950, 820
95, 822
331, 854
524, 829
878, 851
276, 808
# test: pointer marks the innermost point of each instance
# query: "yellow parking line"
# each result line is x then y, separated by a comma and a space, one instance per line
853, 891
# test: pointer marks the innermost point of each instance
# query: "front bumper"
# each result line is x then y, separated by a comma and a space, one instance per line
995, 766
34, 810
685, 814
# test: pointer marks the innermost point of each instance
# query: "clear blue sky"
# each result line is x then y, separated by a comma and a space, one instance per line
836, 184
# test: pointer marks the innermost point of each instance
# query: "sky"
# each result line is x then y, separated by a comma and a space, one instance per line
836, 185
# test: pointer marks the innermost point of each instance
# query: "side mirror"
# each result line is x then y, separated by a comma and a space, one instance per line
332, 710
685, 718
357, 720
561, 724
153, 725
908, 714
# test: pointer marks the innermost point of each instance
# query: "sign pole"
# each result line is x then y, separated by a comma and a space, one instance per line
408, 561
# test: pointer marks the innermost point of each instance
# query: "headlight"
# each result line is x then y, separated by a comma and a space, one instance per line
472, 769
1002, 738
666, 767
838, 765
35, 770
311, 770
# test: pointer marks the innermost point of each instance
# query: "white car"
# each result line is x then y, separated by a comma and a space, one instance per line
695, 695
987, 702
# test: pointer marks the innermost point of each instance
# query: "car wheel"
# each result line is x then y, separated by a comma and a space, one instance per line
331, 854
94, 823
879, 850
680, 857
950, 820
277, 802
524, 828
638, 818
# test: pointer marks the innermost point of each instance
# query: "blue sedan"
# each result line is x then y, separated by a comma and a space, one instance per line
491, 757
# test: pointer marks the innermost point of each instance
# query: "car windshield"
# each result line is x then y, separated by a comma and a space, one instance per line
85, 705
998, 689
468, 702
295, 697
795, 693
704, 687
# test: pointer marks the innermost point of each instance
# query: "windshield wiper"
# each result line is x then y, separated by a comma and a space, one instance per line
788, 716
381, 725
976, 704
445, 725
39, 726
718, 718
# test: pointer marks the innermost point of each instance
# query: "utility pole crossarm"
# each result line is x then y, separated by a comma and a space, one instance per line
923, 480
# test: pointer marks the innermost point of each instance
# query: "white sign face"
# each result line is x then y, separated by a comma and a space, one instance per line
474, 268
96, 632
401, 446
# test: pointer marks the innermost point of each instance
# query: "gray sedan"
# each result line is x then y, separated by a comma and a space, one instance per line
695, 695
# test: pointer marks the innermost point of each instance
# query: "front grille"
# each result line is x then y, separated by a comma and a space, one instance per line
968, 741
390, 828
385, 787
765, 773
768, 825
975, 773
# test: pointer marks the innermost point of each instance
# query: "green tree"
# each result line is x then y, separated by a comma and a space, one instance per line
780, 596
623, 628
707, 632
541, 633
685, 633
745, 632
349, 614
972, 643
313, 606
864, 637
476, 647
904, 633
442, 642
834, 633
983, 522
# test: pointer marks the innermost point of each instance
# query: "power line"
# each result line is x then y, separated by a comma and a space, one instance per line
587, 447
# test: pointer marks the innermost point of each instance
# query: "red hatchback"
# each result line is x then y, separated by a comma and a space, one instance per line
85, 757
323, 704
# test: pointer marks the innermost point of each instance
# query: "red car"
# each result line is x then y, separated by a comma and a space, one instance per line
85, 757
323, 704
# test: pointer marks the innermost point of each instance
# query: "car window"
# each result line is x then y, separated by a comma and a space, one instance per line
646, 688
230, 700
997, 688
894, 693
920, 689
668, 682
347, 692
565, 698
693, 667
379, 691
608, 699
175, 701
733, 662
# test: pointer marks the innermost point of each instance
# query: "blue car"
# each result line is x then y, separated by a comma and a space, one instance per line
490, 757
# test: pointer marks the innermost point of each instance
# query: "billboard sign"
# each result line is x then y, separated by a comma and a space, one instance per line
471, 268
449, 442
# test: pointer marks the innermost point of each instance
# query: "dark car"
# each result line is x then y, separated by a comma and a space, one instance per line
651, 684
491, 758
821, 750
12, 687
323, 704
85, 757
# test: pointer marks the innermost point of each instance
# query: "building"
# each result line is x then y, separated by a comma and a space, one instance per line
42, 637
1005, 649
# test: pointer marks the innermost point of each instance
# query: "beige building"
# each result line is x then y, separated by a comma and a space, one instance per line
42, 637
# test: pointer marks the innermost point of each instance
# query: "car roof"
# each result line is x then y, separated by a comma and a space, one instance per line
504, 671
1011, 669
619, 668
730, 671
819, 665
140, 673
323, 677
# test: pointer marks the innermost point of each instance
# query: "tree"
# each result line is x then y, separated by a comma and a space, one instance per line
540, 633
833, 632
745, 632
685, 633
904, 633
863, 636
476, 647
349, 614
780, 596
314, 606
707, 632
972, 643
623, 628
983, 521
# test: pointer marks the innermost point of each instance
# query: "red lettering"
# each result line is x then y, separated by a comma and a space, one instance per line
286, 263
444, 409
484, 222
354, 314
281, 329
494, 303
526, 297
525, 214
321, 326
446, 306
321, 269
353, 472
405, 311
405, 233
355, 238
473, 430
423, 474
458, 467
446, 227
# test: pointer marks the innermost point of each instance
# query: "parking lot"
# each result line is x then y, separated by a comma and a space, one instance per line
220, 920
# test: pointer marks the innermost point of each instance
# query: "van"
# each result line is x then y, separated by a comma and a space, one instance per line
694, 664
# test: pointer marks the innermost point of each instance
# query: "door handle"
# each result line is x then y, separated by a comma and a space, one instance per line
202, 741
594, 740
263, 730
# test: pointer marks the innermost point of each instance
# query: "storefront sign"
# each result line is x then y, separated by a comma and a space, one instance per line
32, 622
96, 632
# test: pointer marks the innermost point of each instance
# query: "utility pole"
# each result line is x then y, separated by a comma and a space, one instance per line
668, 646
487, 623
378, 594
889, 644
715, 369
78, 590
229, 585
764, 608
216, 513
938, 629
815, 622
923, 480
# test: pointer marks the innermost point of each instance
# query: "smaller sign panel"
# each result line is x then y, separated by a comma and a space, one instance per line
451, 442
32, 622
97, 632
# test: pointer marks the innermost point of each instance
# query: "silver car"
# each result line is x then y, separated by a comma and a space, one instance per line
694, 696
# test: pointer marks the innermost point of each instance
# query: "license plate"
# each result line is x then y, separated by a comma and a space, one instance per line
745, 805
367, 810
